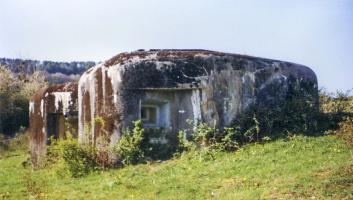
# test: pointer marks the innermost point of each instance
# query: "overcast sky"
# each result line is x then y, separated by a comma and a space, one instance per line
316, 33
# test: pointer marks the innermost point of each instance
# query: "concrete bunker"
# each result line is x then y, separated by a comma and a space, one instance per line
165, 88
53, 112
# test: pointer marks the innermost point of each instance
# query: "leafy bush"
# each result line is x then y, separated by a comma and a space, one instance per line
205, 154
203, 135
77, 159
228, 140
184, 144
80, 160
71, 157
129, 147
159, 143
205, 141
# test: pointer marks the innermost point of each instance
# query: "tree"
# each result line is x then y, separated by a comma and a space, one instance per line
15, 93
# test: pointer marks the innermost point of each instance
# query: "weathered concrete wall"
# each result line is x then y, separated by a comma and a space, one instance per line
203, 86
49, 111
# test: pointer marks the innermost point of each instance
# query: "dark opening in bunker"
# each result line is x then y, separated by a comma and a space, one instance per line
149, 114
155, 114
58, 124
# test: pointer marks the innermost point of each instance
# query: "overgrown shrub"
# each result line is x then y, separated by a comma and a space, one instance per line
79, 159
184, 144
345, 131
297, 112
159, 143
334, 108
205, 141
228, 140
129, 147
139, 145
203, 135
101, 144
339, 102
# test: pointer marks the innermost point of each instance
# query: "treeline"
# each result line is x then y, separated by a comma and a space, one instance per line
30, 66
54, 72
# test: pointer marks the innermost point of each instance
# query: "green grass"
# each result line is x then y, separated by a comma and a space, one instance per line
302, 168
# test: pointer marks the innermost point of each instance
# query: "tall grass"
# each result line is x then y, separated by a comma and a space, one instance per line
298, 167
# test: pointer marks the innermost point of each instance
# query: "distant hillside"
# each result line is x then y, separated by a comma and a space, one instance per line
56, 72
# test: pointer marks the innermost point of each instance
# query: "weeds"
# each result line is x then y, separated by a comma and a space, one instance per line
205, 141
34, 191
129, 147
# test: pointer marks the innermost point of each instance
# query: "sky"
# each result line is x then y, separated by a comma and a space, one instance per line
315, 33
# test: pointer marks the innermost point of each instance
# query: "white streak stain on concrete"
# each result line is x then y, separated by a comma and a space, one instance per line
196, 106
64, 98
31, 106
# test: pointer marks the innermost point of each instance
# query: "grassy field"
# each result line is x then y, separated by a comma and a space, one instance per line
301, 168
